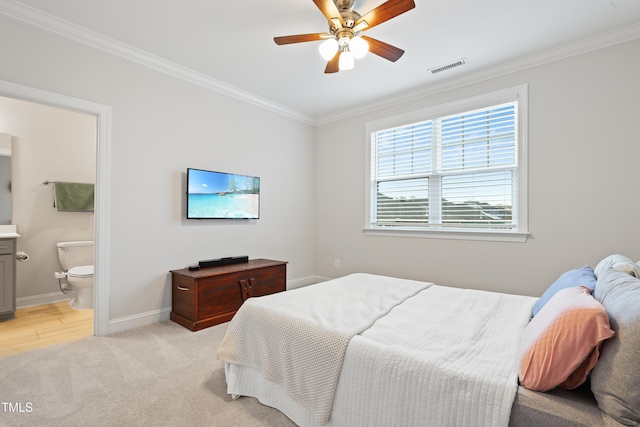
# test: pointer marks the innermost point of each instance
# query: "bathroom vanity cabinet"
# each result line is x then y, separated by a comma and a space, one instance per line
212, 295
7, 278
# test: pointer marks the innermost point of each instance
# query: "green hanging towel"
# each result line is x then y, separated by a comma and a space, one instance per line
73, 196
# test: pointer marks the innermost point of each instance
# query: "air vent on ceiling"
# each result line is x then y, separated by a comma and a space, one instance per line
454, 64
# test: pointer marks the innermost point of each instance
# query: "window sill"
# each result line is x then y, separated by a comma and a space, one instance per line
494, 236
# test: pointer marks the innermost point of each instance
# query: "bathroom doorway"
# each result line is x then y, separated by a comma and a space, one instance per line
101, 116
47, 144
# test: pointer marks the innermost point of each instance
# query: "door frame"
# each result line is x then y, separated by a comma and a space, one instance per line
103, 186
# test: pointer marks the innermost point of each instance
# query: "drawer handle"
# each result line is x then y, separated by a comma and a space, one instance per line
180, 288
4, 247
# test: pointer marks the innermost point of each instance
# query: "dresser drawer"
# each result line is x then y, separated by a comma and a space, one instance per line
6, 246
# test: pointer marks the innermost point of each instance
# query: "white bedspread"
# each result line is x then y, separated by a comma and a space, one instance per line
444, 357
298, 338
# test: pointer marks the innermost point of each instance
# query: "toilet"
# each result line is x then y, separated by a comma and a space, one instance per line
76, 259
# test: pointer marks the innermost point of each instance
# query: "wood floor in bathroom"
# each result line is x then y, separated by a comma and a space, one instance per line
44, 325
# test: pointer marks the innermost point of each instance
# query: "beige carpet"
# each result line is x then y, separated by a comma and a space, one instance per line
160, 375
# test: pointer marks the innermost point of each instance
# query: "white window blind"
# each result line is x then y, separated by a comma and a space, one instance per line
454, 172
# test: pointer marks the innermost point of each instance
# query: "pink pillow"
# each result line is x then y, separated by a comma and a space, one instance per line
561, 344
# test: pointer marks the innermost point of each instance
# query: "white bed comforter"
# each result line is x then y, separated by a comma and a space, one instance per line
298, 338
442, 357
446, 357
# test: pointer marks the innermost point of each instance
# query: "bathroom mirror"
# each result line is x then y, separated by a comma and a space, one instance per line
5, 179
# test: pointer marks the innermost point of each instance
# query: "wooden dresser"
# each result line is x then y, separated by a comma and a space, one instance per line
212, 295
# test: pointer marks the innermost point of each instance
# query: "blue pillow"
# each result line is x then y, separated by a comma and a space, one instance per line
579, 277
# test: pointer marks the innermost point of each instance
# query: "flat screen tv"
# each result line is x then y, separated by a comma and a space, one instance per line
220, 195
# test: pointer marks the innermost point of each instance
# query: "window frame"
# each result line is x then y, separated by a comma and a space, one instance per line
518, 94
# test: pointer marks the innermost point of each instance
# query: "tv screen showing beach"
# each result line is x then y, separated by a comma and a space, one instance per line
219, 195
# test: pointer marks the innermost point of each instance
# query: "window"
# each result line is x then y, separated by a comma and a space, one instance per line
456, 171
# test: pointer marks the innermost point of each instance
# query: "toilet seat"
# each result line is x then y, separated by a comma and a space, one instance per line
81, 271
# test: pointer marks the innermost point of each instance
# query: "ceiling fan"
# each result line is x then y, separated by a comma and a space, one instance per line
345, 41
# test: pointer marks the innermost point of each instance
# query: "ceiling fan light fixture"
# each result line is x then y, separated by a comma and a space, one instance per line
342, 43
358, 47
328, 49
346, 61
343, 39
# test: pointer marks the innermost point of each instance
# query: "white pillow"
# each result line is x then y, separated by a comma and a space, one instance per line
608, 262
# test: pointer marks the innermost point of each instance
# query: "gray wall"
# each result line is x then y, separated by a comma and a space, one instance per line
583, 178
161, 126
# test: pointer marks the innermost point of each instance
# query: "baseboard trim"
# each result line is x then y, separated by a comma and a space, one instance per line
303, 281
138, 320
49, 298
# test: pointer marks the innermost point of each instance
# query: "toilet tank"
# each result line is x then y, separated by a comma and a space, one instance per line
73, 254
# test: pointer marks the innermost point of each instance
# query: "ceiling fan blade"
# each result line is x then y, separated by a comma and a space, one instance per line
384, 12
330, 11
300, 38
383, 49
333, 64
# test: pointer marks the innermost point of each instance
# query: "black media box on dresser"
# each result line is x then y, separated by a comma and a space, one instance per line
208, 296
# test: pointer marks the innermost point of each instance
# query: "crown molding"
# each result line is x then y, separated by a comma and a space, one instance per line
37, 18
556, 53
45, 21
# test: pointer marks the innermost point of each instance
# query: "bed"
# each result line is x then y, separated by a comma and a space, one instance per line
370, 350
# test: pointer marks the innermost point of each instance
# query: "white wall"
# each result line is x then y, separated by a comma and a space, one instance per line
583, 181
161, 126
55, 145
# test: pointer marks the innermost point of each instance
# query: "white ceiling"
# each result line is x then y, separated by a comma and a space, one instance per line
231, 43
